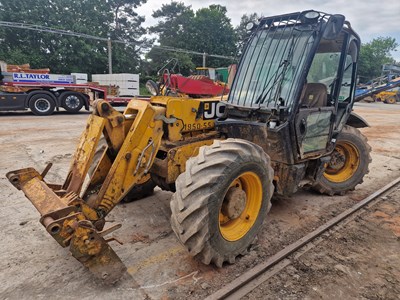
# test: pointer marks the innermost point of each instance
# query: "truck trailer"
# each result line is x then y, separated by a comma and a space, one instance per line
43, 94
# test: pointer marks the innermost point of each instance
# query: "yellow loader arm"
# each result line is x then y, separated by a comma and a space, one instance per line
74, 217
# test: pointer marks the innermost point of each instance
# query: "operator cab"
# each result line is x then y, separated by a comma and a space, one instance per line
297, 76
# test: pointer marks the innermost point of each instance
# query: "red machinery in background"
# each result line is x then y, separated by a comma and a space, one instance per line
194, 86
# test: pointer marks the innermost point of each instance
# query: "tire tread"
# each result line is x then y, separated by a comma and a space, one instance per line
189, 204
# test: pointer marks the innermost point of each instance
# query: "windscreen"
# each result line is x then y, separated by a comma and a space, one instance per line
271, 67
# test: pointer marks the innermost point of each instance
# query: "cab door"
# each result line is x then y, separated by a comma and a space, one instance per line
313, 130
317, 110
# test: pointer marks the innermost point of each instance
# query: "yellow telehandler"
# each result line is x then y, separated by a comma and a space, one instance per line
389, 97
287, 123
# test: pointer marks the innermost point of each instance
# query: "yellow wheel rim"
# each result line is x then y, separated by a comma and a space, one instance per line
247, 192
344, 163
391, 100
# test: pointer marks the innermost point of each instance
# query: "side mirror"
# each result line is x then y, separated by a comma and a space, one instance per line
333, 27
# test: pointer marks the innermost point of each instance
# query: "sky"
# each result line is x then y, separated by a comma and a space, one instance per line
369, 18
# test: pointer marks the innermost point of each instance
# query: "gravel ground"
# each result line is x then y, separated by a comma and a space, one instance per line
34, 266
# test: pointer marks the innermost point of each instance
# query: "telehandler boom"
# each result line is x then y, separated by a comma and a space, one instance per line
287, 123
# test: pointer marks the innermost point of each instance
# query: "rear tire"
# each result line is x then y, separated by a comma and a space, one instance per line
348, 165
391, 100
221, 200
72, 102
42, 104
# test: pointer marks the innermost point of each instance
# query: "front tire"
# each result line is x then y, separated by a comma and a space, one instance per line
348, 165
221, 200
42, 105
144, 188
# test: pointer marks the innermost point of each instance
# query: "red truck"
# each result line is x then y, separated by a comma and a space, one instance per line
43, 93
43, 98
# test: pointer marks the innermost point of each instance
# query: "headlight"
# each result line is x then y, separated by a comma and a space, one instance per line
310, 17
250, 26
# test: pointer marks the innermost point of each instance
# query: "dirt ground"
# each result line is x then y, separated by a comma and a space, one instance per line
359, 261
33, 265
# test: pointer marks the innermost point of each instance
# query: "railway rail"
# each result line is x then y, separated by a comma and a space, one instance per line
249, 280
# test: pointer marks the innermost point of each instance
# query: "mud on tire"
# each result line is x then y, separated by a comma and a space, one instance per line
199, 203
348, 165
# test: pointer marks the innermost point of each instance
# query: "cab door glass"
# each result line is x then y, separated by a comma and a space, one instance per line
317, 132
345, 89
324, 70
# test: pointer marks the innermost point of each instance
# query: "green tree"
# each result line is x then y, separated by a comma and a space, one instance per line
373, 55
207, 30
173, 26
64, 54
172, 32
213, 33
127, 27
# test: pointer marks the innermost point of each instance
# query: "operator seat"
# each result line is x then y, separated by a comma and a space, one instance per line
315, 95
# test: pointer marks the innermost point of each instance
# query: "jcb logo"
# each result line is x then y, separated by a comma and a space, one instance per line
213, 110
